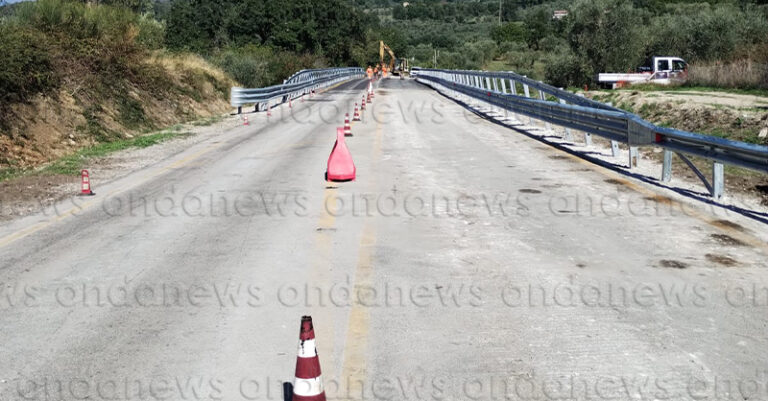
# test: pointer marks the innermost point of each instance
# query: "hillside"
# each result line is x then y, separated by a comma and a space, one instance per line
75, 75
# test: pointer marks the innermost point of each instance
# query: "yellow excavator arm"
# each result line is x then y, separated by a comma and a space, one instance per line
382, 48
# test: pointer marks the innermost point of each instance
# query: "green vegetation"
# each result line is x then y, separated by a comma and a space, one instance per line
717, 37
72, 164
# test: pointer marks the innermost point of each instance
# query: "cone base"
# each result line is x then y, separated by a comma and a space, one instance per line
339, 178
319, 397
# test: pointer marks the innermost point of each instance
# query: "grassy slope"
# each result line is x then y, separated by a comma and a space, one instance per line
78, 75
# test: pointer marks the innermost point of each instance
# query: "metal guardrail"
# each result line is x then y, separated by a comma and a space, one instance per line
591, 117
299, 84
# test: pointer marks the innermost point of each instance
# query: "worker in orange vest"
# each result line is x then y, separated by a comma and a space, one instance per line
369, 71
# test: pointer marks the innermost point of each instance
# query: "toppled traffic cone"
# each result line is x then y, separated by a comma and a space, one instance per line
245, 120
85, 184
308, 385
347, 127
340, 164
356, 116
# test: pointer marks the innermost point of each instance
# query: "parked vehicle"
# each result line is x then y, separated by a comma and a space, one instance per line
662, 71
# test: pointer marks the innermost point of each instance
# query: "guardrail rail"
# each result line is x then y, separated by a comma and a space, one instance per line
571, 111
299, 84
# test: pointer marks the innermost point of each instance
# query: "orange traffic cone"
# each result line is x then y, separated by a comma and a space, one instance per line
85, 184
356, 116
308, 385
347, 127
340, 164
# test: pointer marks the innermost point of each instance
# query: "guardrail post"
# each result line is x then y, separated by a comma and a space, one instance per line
633, 156
666, 167
614, 144
587, 135
543, 96
239, 109
504, 91
718, 180
513, 91
528, 94
568, 135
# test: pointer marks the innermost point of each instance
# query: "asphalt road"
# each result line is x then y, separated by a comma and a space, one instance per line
467, 261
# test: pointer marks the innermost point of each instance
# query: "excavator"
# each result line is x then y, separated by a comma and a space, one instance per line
395, 66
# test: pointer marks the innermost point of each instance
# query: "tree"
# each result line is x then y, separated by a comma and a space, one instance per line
511, 32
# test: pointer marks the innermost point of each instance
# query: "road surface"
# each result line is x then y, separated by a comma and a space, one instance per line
466, 261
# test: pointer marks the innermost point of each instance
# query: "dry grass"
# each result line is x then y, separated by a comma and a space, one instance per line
178, 62
744, 73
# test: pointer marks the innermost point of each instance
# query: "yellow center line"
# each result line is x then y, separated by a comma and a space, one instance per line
354, 369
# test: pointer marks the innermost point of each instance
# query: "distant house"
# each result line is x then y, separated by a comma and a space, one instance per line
559, 14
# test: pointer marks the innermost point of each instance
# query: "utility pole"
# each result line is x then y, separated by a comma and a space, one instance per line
499, 12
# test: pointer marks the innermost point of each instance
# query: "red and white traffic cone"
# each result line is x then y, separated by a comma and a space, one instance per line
362, 105
245, 120
85, 184
347, 127
269, 110
368, 99
356, 115
308, 385
290, 104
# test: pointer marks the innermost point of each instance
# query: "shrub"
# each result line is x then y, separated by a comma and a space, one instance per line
26, 67
258, 66
567, 70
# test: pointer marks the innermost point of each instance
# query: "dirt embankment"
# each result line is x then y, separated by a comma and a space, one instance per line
177, 89
728, 115
734, 116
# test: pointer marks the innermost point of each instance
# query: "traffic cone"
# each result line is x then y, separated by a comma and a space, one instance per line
347, 127
245, 120
356, 116
368, 99
85, 184
308, 385
290, 104
269, 110
362, 104
370, 87
340, 164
